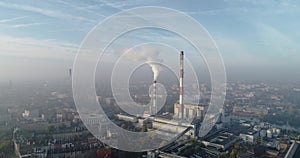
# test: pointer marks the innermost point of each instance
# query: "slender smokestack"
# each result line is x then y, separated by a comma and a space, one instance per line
70, 72
181, 106
154, 97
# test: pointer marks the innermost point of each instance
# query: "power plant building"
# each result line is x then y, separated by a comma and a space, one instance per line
191, 111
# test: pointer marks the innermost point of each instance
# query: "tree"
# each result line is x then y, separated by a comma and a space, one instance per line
259, 141
4, 146
144, 128
234, 150
232, 154
237, 146
223, 155
62, 126
50, 128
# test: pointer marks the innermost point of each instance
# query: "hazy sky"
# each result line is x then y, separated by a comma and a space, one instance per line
257, 39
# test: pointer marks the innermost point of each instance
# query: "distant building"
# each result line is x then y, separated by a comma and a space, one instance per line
249, 111
151, 154
60, 116
276, 132
127, 118
274, 144
31, 114
225, 116
249, 136
221, 140
25, 114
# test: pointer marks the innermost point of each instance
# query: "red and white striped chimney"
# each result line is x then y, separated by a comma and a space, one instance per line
181, 106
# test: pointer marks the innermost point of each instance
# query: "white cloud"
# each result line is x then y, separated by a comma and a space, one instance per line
36, 48
252, 8
46, 12
11, 19
82, 8
25, 25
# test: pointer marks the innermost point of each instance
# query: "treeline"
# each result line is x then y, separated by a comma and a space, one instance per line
283, 119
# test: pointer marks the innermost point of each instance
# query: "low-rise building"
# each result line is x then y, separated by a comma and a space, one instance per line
221, 140
249, 136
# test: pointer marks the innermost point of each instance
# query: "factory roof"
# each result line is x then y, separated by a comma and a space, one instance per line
222, 137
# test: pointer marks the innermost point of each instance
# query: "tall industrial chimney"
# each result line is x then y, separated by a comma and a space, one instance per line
181, 106
154, 97
70, 72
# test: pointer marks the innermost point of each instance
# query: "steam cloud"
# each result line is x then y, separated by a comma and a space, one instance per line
155, 69
149, 55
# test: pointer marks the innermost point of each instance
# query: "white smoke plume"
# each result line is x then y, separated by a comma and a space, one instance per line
148, 54
155, 69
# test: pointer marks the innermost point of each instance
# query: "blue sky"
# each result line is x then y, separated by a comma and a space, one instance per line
255, 38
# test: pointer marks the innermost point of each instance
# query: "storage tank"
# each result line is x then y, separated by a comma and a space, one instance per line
278, 131
274, 130
269, 133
